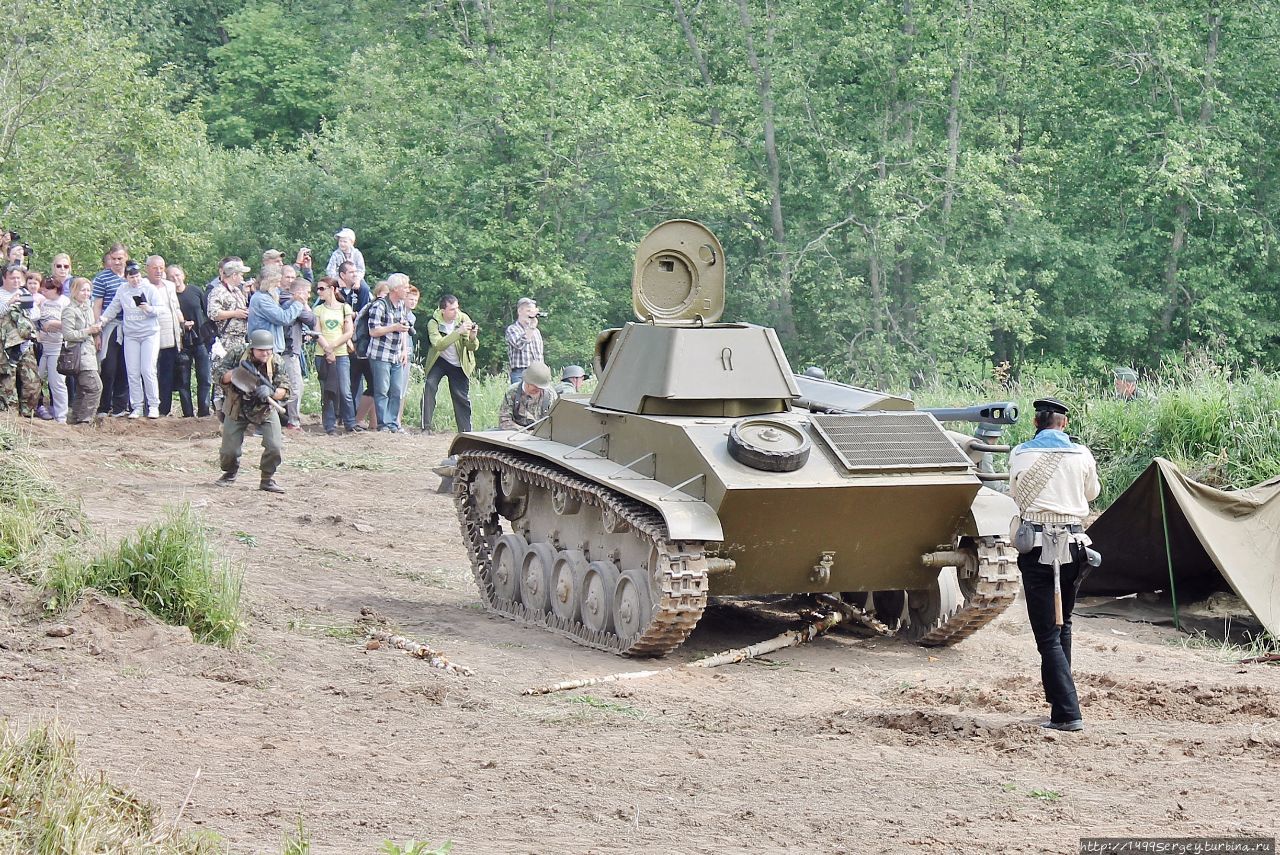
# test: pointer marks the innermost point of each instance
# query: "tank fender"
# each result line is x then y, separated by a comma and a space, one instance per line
686, 517
990, 514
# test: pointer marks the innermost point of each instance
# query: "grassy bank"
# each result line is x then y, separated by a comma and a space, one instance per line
168, 566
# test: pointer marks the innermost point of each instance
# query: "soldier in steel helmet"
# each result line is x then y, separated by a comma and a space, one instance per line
1053, 479
1126, 384
528, 399
571, 380
254, 385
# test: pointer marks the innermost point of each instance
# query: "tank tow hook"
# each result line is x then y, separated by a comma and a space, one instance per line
821, 572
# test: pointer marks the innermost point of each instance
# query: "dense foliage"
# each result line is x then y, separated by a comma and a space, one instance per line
903, 188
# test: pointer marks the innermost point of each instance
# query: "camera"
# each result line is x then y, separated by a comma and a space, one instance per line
542, 314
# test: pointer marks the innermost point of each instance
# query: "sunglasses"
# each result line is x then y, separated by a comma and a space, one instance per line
63, 266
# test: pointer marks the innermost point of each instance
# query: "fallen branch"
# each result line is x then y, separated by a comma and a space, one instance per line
790, 638
433, 657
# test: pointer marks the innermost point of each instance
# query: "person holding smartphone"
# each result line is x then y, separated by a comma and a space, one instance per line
136, 302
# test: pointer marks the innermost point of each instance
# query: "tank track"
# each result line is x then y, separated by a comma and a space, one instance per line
680, 578
990, 592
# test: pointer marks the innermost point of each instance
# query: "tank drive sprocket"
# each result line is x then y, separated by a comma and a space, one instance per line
580, 593
988, 587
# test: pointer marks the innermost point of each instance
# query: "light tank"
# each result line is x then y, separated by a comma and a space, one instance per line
701, 466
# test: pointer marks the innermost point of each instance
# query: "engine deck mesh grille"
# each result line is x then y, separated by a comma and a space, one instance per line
889, 442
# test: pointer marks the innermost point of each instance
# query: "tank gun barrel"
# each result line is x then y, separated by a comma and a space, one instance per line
996, 413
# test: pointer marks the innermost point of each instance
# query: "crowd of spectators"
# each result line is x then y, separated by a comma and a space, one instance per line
120, 344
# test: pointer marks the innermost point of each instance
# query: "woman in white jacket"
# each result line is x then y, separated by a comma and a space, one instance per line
136, 302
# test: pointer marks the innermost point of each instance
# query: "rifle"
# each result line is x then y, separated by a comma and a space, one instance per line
255, 385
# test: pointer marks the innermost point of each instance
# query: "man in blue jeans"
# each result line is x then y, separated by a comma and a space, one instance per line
387, 319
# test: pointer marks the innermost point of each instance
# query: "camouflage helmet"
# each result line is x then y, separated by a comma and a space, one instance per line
538, 374
262, 340
571, 371
815, 372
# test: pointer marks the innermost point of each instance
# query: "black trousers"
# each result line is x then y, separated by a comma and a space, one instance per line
459, 390
115, 380
1053, 641
166, 364
196, 356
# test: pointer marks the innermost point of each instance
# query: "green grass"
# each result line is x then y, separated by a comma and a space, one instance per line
1220, 425
49, 807
607, 706
37, 521
1223, 650
171, 569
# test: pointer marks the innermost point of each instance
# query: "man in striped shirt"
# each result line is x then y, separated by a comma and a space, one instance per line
115, 381
524, 341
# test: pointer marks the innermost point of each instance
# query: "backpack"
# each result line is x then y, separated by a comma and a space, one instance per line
362, 337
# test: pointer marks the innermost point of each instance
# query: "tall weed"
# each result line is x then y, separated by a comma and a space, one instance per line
48, 807
171, 569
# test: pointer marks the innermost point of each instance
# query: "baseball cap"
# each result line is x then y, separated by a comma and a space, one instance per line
345, 233
234, 266
272, 255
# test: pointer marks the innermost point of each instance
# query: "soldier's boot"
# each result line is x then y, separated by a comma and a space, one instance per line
270, 486
228, 478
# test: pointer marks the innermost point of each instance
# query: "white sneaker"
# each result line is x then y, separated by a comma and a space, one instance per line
136, 414
153, 412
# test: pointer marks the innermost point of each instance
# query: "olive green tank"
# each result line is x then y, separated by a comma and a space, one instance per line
701, 466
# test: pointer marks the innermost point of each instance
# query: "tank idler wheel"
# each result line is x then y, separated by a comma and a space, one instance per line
508, 560
568, 577
597, 595
927, 609
632, 603
535, 576
565, 503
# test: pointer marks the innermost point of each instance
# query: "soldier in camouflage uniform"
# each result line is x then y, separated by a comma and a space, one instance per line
18, 365
241, 409
528, 399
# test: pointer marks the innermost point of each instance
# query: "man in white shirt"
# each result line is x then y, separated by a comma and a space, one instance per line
1053, 480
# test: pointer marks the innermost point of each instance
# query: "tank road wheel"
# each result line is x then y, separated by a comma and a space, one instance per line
928, 609
508, 560
632, 603
535, 576
568, 575
962, 603
597, 596
659, 602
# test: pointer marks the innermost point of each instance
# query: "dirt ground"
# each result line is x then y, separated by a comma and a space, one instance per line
845, 745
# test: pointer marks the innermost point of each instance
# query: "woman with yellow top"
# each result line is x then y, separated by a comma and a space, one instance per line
334, 319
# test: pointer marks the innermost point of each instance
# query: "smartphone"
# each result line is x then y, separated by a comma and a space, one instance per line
139, 299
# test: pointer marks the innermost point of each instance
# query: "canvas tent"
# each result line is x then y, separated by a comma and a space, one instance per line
1170, 533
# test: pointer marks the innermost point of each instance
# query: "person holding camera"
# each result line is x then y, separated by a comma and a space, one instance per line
524, 341
50, 337
298, 290
303, 264
196, 326
253, 386
136, 302
453, 339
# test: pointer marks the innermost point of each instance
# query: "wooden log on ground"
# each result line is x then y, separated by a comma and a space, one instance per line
433, 657
790, 638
